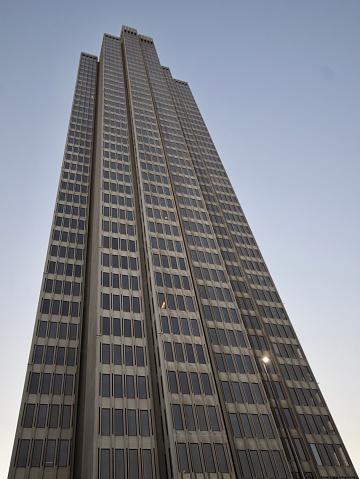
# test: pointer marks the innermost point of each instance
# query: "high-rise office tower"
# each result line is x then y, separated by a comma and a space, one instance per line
156, 308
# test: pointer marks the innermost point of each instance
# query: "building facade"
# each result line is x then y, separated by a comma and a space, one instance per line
157, 308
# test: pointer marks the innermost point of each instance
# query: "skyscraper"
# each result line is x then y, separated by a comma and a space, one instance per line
157, 309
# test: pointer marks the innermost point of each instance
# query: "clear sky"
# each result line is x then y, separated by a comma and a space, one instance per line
278, 85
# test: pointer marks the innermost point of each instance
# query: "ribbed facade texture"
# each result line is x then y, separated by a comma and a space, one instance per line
157, 308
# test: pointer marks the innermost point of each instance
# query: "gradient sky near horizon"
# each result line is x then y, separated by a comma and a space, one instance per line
277, 83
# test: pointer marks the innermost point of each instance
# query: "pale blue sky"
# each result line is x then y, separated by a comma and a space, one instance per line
278, 85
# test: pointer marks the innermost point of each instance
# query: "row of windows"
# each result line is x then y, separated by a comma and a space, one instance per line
305, 397
116, 354
168, 229
204, 457
69, 197
67, 185
279, 330
195, 417
243, 364
175, 352
68, 236
123, 262
62, 287
115, 176
174, 323
175, 302
47, 415
66, 252
286, 350
228, 315
47, 383
216, 275
189, 383
296, 372
227, 337
121, 243
118, 212
316, 424
71, 210
329, 454
251, 425
174, 263
122, 422
125, 463
116, 302
39, 453
112, 146
61, 268
121, 327
54, 329
242, 392
54, 355
62, 308
272, 312
119, 386
162, 243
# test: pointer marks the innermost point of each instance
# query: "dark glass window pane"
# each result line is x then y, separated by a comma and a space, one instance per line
195, 458
34, 383
36, 453
237, 392
178, 422
54, 415
45, 386
118, 422
105, 422
117, 354
130, 386
184, 384
50, 453
200, 411
270, 474
173, 387
235, 425
69, 384
248, 394
179, 353
63, 453
104, 464
189, 417
245, 465
220, 453
118, 386
214, 423
206, 383
119, 464
129, 361
195, 383
133, 464
208, 458
66, 416
142, 388
41, 415
105, 385
144, 423
256, 464
29, 415
279, 464
140, 359
246, 425
131, 416
147, 464
57, 384
23, 452
183, 459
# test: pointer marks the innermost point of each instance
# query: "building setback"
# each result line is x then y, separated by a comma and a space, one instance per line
157, 308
